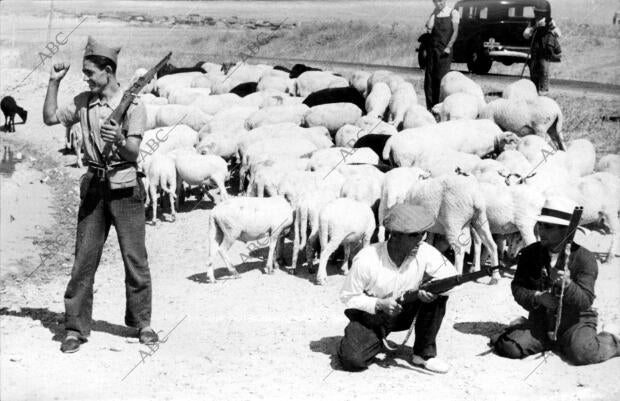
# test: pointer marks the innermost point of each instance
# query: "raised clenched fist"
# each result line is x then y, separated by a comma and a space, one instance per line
59, 70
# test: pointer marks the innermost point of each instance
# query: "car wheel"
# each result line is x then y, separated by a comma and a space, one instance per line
479, 61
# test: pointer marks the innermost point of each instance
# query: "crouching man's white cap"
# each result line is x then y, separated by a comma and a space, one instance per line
407, 218
557, 210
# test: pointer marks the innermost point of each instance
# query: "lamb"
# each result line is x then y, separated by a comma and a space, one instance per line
396, 184
161, 172
378, 100
201, 170
325, 160
332, 116
457, 106
455, 82
402, 99
521, 89
479, 137
247, 219
539, 116
277, 114
312, 81
343, 222
417, 116
336, 95
74, 141
609, 163
173, 114
9, 108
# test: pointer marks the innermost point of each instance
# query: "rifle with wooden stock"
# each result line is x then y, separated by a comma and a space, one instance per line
384, 323
128, 96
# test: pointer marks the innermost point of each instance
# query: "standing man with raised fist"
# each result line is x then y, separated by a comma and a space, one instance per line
110, 193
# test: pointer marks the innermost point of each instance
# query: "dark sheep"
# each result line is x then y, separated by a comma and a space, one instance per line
170, 69
299, 69
336, 95
280, 68
10, 108
244, 89
376, 142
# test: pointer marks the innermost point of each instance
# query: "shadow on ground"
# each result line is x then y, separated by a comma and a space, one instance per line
53, 322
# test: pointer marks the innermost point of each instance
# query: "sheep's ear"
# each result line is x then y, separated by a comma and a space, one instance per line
503, 174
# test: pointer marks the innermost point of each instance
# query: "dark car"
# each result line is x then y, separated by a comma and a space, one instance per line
490, 31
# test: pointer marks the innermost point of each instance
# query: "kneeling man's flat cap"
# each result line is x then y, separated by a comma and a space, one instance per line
408, 218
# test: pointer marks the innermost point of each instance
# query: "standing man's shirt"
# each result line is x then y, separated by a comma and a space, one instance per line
374, 275
91, 111
447, 11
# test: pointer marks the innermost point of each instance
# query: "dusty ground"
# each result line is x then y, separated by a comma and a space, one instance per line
259, 337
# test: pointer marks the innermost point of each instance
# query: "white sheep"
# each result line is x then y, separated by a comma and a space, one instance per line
163, 140
174, 114
348, 134
149, 87
374, 125
521, 89
456, 204
479, 137
223, 144
279, 83
167, 83
266, 175
395, 188
455, 82
446, 161
417, 116
247, 219
325, 160
202, 170
378, 76
609, 163
359, 80
403, 97
457, 106
540, 116
312, 81
149, 98
332, 115
581, 156
230, 120
534, 148
343, 222
395, 81
378, 100
212, 104
293, 113
186, 96
294, 185
161, 173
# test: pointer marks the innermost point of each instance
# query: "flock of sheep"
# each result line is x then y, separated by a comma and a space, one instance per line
323, 156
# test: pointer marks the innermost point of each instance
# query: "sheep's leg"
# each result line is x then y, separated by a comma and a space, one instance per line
223, 251
296, 240
477, 250
171, 196
487, 239
501, 246
273, 242
327, 249
153, 192
222, 188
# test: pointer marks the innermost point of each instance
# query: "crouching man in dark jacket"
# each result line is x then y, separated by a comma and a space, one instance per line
577, 339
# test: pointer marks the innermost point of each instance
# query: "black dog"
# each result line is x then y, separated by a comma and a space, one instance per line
10, 108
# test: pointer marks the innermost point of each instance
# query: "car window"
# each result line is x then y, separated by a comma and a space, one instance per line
460, 9
512, 12
528, 12
483, 13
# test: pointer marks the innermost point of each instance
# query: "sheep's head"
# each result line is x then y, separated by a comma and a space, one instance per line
508, 141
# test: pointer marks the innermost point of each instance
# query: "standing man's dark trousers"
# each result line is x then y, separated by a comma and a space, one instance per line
579, 344
99, 208
437, 65
539, 74
361, 343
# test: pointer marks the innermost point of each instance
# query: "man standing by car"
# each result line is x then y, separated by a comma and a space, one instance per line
443, 27
545, 47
